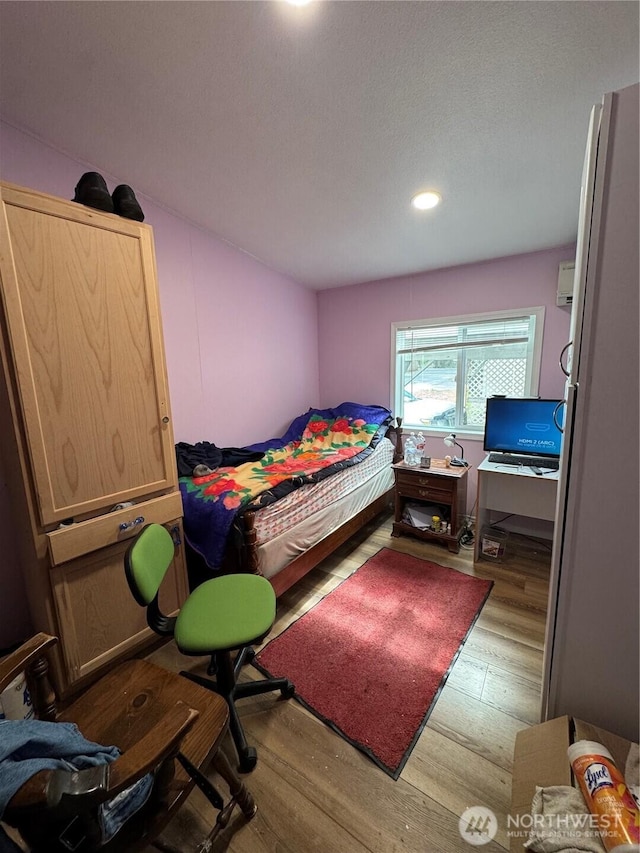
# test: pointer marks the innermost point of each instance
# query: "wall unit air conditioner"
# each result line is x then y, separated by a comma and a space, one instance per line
565, 283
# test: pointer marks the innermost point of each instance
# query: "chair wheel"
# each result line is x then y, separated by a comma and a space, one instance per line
248, 759
288, 691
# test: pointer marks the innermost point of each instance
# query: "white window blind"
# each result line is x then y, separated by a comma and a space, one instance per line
461, 335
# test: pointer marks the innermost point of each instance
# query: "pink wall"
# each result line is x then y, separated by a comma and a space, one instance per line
354, 326
221, 356
233, 377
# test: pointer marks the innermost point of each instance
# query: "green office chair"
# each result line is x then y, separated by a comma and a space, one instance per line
225, 614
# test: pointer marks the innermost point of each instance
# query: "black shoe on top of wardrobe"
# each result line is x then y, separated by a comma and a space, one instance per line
126, 204
91, 190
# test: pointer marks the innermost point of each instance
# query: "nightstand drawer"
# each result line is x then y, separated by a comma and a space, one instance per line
419, 480
425, 493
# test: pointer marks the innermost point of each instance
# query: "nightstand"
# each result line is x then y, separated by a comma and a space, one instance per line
437, 485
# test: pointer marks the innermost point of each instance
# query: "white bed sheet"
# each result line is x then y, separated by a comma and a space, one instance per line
281, 550
286, 513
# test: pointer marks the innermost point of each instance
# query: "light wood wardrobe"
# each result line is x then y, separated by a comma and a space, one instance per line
85, 420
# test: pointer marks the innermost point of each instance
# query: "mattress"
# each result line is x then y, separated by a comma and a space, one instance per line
288, 528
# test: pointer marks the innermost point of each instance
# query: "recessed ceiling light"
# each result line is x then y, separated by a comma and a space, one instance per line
298, 2
426, 200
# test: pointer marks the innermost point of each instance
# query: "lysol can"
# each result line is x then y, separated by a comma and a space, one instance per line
606, 794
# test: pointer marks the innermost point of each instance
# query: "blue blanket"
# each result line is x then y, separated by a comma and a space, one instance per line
318, 443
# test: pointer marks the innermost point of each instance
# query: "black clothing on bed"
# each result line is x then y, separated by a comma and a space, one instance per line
189, 456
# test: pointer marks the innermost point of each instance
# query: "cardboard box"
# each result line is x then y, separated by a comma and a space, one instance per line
540, 759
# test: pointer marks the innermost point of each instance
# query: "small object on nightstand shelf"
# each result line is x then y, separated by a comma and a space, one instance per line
447, 461
425, 462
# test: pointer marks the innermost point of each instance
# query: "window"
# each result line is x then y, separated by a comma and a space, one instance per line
443, 370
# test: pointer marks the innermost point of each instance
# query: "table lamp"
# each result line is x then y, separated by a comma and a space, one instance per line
450, 441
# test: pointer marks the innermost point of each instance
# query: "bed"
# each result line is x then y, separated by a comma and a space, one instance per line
287, 503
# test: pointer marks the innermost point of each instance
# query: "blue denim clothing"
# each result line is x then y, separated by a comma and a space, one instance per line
28, 746
115, 812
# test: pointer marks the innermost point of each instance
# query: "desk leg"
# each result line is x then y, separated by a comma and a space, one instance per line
482, 517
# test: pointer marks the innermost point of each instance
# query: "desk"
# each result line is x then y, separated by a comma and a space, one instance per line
517, 491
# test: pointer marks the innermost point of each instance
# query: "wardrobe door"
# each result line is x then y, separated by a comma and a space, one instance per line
101, 622
81, 309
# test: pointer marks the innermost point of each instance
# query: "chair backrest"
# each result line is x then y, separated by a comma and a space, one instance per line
147, 560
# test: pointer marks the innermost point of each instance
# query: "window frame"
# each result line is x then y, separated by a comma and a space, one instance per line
533, 365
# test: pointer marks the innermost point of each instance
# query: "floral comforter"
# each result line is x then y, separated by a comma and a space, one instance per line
316, 445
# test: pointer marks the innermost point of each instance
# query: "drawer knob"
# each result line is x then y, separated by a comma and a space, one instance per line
127, 525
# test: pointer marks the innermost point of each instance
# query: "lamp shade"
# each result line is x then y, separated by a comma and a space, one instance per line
450, 441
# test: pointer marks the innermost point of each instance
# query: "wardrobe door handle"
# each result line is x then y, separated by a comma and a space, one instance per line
556, 413
564, 350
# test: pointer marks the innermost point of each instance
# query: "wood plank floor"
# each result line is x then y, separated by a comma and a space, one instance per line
317, 793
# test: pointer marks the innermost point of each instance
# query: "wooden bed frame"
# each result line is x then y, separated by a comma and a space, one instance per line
299, 567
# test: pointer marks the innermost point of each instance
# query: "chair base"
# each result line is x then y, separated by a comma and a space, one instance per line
226, 685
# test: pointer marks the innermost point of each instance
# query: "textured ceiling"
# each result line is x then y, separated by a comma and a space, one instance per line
300, 134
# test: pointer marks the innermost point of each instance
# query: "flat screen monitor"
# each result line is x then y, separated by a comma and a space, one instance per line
522, 425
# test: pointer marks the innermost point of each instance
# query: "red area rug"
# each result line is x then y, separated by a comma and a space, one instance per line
371, 658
